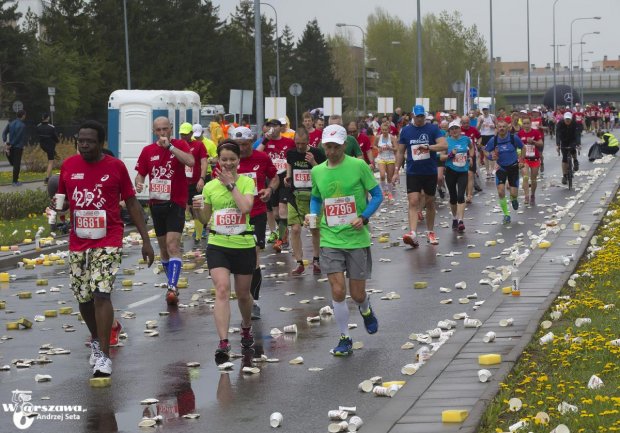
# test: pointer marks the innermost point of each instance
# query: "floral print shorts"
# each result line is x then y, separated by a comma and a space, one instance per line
93, 271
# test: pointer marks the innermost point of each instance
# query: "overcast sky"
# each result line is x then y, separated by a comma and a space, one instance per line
509, 22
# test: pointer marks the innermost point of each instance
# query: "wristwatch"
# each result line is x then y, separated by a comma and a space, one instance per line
364, 220
231, 186
170, 147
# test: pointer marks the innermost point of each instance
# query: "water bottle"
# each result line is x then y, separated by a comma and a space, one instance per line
516, 291
37, 241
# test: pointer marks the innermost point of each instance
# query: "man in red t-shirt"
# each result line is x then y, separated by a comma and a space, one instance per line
260, 168
196, 175
314, 134
276, 146
531, 158
164, 163
363, 141
94, 184
474, 136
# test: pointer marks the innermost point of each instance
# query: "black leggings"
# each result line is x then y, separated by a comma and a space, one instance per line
457, 185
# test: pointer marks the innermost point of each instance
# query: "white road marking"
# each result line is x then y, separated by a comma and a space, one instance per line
144, 301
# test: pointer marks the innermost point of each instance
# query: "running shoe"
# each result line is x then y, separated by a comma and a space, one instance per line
542, 167
455, 224
247, 337
255, 312
461, 227
526, 200
285, 245
103, 366
390, 196
316, 268
277, 246
533, 200
506, 219
564, 179
420, 216
515, 204
95, 352
431, 238
442, 193
172, 296
299, 270
272, 237
370, 320
411, 239
344, 347
222, 353
575, 165
114, 333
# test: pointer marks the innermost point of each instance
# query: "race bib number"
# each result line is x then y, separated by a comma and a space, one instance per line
90, 224
280, 165
189, 172
460, 159
529, 151
160, 189
419, 152
340, 211
252, 176
302, 179
229, 221
536, 125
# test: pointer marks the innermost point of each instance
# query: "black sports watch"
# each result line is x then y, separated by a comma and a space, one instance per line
231, 186
364, 220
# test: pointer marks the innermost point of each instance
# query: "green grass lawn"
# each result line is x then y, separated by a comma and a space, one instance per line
14, 232
550, 374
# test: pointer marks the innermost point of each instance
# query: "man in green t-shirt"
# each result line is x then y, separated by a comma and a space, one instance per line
341, 185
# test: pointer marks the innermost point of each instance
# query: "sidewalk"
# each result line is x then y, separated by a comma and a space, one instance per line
450, 381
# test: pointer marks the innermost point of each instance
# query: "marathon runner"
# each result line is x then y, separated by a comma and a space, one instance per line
276, 146
94, 184
533, 143
458, 158
211, 149
503, 149
341, 185
567, 143
421, 142
474, 136
164, 163
298, 177
486, 126
386, 159
314, 134
226, 203
257, 166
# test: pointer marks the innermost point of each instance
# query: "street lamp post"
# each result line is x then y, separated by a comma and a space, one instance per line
555, 104
258, 65
363, 60
419, 28
492, 59
126, 46
571, 53
277, 49
581, 58
529, 64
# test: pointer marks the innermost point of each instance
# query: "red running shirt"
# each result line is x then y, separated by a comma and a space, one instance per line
199, 151
93, 191
530, 151
259, 167
277, 150
166, 173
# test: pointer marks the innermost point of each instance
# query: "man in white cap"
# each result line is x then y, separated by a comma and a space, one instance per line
341, 185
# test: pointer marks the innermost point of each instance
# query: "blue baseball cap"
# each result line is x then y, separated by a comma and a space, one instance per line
418, 110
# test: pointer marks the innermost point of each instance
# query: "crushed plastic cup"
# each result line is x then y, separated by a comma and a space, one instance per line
337, 415
565, 408
515, 404
198, 202
409, 369
434, 333
312, 219
290, 329
275, 420
518, 425
582, 321
472, 323
561, 428
355, 423
365, 386
484, 375
336, 427
595, 382
547, 338
489, 337
60, 201
506, 322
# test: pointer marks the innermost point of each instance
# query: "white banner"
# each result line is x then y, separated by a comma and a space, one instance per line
385, 105
332, 106
275, 108
449, 104
426, 102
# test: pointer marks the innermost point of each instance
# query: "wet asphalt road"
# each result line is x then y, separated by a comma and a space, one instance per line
235, 402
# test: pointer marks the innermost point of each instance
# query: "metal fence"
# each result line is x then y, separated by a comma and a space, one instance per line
542, 82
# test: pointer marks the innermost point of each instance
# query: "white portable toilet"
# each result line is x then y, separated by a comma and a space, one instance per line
130, 123
181, 110
193, 106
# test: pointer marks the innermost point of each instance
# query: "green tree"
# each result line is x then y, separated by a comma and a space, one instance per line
314, 68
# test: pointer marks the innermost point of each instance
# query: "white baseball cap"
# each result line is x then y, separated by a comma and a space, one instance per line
241, 133
334, 134
568, 115
454, 123
197, 129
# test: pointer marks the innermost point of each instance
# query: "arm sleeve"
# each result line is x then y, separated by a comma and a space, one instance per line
376, 197
315, 204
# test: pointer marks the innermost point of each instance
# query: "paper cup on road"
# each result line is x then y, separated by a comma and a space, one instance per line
484, 375
290, 329
312, 220
489, 337
582, 321
336, 427
444, 324
472, 323
409, 369
547, 338
561, 428
365, 386
506, 322
60, 201
198, 201
338, 415
434, 333
275, 420
355, 423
